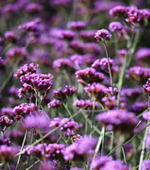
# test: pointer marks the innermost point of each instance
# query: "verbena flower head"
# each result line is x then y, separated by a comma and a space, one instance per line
33, 8
119, 120
89, 75
39, 82
38, 120
16, 54
54, 103
77, 25
82, 148
102, 35
115, 26
27, 68
146, 115
70, 127
23, 110
62, 94
88, 35
139, 73
96, 90
7, 153
143, 54
118, 11
109, 102
86, 104
145, 165
49, 151
5, 121
147, 87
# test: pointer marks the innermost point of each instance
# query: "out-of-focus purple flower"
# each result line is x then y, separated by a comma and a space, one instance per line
33, 8
16, 54
77, 46
143, 54
65, 92
2, 63
10, 36
30, 26
76, 25
86, 104
131, 93
54, 104
147, 87
27, 68
60, 3
109, 102
39, 120
116, 164
63, 63
89, 75
148, 141
68, 34
70, 127
122, 53
100, 162
88, 35
96, 90
51, 151
78, 60
82, 148
7, 153
23, 110
118, 11
102, 35
145, 165
115, 26
119, 120
92, 48
139, 73
146, 115
138, 107
7, 111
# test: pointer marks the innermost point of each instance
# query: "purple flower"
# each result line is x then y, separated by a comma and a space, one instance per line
54, 103
23, 110
62, 94
147, 87
86, 104
30, 26
102, 35
89, 75
16, 53
116, 164
122, 53
96, 90
38, 120
138, 107
63, 63
143, 53
109, 102
10, 36
82, 148
70, 127
145, 165
7, 153
146, 115
76, 25
139, 73
115, 26
68, 34
5, 121
118, 11
88, 35
39, 82
100, 162
26, 68
33, 8
77, 46
119, 120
